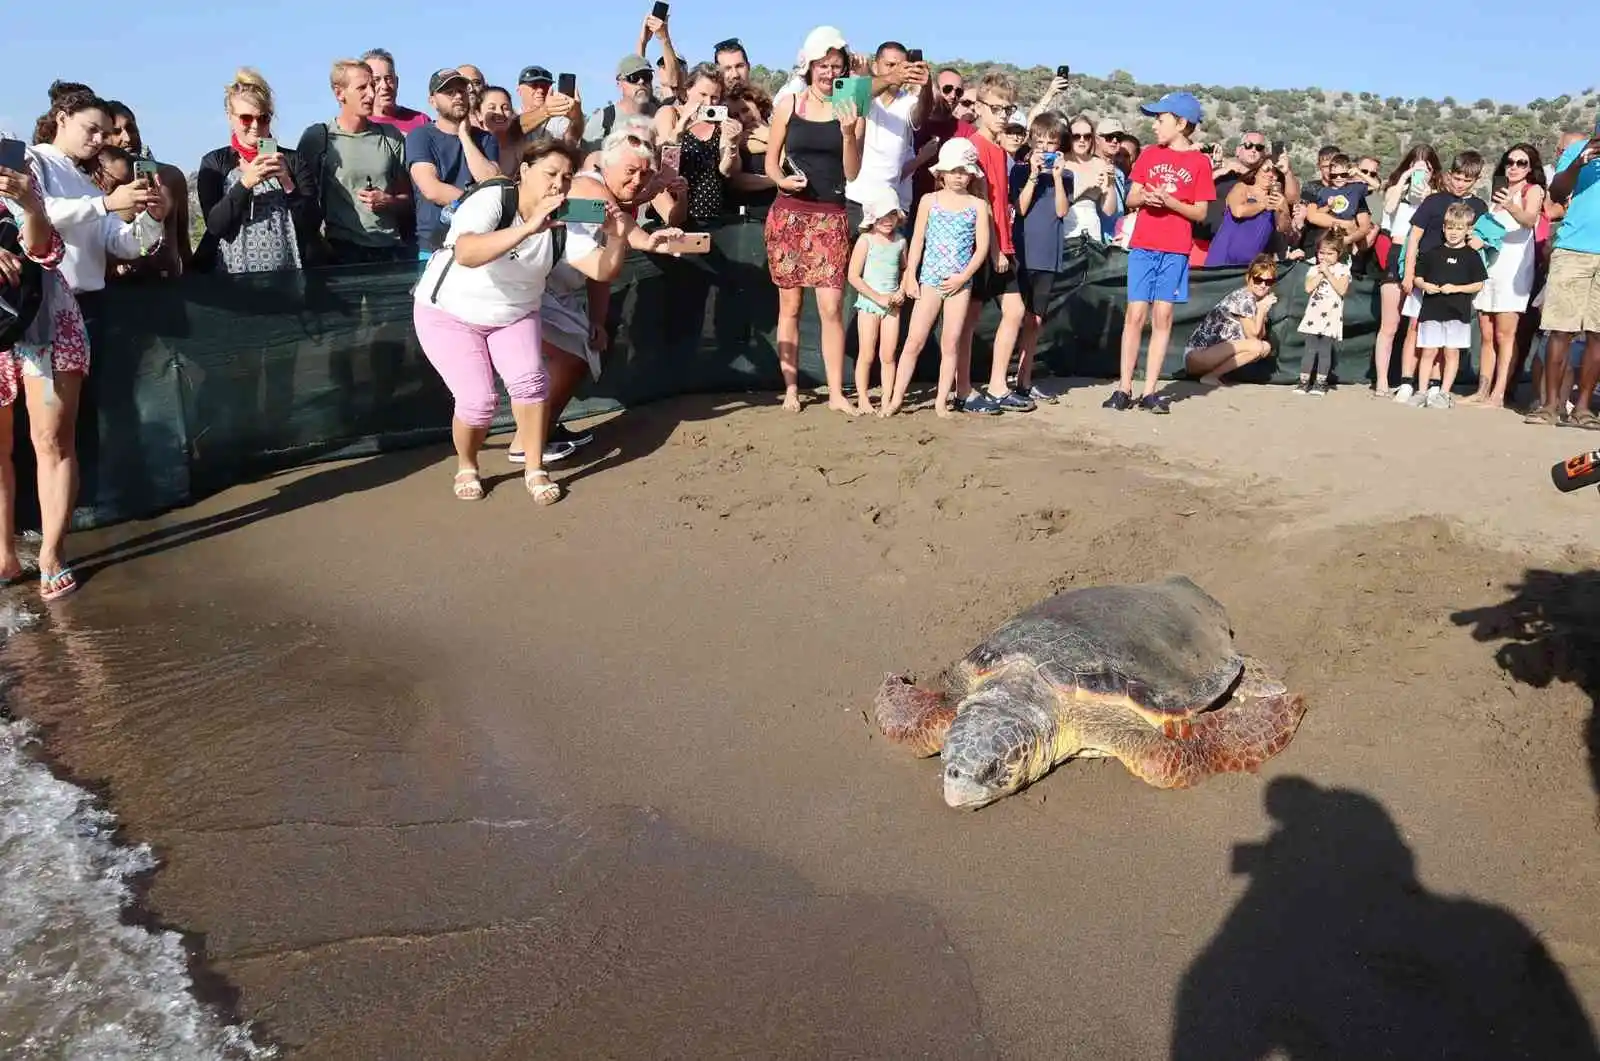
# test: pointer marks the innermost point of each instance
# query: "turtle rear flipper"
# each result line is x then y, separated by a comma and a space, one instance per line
1235, 738
913, 717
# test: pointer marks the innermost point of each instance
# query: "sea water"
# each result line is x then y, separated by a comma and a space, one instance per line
77, 982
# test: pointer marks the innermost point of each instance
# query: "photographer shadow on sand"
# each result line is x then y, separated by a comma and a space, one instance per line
1336, 950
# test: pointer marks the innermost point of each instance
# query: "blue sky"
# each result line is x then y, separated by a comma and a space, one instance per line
170, 60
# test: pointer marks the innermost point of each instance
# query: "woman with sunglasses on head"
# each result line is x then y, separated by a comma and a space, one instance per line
1094, 189
1417, 176
814, 149
1517, 204
253, 201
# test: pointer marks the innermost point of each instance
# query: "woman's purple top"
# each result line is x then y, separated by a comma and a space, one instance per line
1237, 242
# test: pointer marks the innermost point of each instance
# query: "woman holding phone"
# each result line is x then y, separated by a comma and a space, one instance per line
253, 195
478, 302
813, 150
45, 364
707, 139
1417, 176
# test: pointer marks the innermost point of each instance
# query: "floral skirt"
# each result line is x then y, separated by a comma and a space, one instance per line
808, 244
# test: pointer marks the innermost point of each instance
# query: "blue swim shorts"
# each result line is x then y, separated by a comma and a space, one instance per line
1157, 276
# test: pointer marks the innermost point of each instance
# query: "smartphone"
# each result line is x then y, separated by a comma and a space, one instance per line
689, 243
1419, 180
267, 146
1064, 72
14, 155
713, 113
1498, 185
567, 84
582, 211
1279, 148
660, 10
1047, 161
671, 156
857, 90
145, 168
913, 55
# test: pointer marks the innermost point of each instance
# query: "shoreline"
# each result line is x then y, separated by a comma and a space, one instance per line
597, 776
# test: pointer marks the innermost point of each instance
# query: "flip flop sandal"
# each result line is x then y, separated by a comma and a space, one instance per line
468, 487
61, 584
1586, 420
544, 492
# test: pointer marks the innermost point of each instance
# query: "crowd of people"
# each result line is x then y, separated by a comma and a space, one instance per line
874, 174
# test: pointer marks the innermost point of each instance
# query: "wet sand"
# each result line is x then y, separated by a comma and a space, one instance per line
437, 780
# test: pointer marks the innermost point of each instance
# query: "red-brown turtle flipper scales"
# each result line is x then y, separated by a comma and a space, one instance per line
913, 717
1235, 738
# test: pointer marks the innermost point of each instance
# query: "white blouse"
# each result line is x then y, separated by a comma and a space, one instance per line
77, 208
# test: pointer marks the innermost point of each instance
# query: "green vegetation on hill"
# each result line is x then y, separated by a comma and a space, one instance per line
1307, 118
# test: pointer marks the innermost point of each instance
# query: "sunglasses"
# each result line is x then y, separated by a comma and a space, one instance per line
1524, 163
1083, 136
1338, 174
1249, 146
1367, 172
1264, 281
248, 120
643, 77
949, 89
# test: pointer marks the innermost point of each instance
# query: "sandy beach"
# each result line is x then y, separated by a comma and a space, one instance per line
437, 780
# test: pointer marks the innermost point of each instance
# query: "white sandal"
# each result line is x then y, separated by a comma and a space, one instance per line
544, 493
468, 489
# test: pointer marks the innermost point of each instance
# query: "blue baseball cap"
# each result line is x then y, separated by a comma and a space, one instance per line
1178, 104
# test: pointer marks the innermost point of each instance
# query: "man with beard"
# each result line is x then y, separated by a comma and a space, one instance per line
634, 96
386, 109
438, 159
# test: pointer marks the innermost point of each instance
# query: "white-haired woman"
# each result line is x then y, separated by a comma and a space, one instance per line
813, 150
578, 289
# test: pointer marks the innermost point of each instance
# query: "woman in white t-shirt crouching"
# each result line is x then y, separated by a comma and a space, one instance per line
477, 311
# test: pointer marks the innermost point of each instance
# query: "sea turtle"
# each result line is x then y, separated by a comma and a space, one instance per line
1145, 672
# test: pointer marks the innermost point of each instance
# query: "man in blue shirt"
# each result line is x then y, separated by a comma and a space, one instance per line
445, 156
1572, 292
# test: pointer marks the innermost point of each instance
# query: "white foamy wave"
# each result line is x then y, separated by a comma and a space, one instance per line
76, 982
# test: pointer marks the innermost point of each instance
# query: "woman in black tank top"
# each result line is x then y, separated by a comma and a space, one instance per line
814, 148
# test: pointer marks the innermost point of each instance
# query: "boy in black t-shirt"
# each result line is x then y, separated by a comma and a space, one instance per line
1426, 233
1448, 275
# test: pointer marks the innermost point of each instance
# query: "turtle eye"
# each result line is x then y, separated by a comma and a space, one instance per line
988, 773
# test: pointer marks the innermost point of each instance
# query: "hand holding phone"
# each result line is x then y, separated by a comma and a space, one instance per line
567, 84
581, 211
659, 10
686, 243
14, 156
913, 55
671, 156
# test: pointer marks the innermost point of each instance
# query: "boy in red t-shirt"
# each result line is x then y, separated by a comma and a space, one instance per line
997, 279
1170, 186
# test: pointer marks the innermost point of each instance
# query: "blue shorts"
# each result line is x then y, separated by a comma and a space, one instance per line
1157, 276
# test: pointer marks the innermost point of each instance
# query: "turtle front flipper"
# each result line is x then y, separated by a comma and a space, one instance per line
913, 717
1235, 738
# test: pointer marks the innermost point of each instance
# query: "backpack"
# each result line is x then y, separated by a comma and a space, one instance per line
507, 187
19, 302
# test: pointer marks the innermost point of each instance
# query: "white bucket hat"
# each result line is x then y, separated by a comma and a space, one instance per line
879, 203
820, 42
958, 153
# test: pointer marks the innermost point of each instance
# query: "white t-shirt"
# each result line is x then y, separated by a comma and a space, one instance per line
496, 293
886, 149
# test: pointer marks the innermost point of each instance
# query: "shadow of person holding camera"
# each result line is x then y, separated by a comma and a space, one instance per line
1337, 951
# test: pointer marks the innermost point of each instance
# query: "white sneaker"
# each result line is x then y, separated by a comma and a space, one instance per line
1438, 399
1403, 393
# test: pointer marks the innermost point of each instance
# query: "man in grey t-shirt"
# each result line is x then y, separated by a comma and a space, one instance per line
544, 111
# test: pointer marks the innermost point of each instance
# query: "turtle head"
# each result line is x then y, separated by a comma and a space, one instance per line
991, 748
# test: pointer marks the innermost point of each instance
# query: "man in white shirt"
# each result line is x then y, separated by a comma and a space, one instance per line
903, 94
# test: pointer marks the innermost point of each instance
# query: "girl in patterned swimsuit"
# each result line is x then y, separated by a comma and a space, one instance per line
875, 274
949, 243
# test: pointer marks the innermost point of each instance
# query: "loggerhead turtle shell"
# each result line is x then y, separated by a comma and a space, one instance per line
1165, 645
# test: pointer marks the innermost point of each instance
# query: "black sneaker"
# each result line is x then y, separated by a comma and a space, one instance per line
563, 433
1156, 403
1119, 400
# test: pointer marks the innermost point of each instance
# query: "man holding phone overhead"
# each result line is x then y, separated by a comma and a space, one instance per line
902, 92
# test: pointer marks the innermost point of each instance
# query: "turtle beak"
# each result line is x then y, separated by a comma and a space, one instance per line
963, 792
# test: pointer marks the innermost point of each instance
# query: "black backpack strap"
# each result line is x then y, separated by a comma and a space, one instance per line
508, 217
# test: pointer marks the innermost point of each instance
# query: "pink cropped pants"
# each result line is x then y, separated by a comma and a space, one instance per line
467, 356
